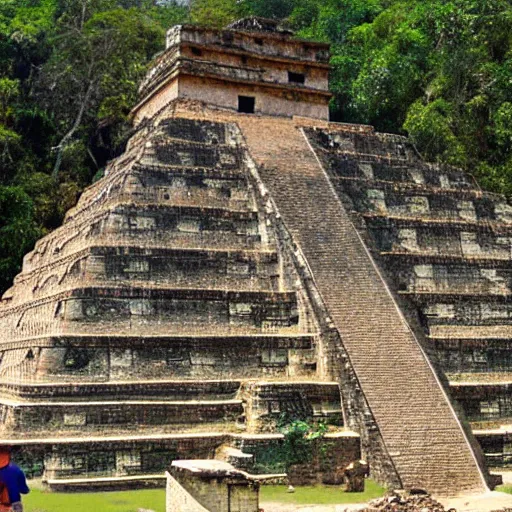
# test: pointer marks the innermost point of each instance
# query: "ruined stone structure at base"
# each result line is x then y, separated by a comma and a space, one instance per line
245, 263
210, 486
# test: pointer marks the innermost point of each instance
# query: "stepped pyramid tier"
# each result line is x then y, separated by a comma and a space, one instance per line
163, 305
246, 261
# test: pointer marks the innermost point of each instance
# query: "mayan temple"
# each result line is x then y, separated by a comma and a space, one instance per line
246, 259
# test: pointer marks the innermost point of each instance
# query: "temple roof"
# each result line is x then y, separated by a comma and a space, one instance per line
257, 24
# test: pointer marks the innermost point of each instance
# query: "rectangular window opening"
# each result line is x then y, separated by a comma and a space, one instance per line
246, 104
274, 356
296, 78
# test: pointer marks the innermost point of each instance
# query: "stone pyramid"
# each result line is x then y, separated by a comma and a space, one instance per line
226, 275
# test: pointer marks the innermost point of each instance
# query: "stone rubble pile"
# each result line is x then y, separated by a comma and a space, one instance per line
398, 502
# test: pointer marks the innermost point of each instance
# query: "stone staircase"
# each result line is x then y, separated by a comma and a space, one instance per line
420, 429
445, 246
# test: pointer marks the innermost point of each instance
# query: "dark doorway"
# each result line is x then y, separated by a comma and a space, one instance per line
296, 78
246, 104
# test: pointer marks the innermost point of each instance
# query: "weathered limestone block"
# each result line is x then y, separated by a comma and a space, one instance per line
330, 457
378, 199
273, 402
469, 243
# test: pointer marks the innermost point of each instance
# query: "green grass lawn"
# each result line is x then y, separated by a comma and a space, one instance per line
154, 499
122, 501
319, 495
504, 488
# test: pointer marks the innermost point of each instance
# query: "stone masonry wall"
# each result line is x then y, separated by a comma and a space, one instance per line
227, 490
178, 499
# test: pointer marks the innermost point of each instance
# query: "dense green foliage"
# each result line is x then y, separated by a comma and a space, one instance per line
69, 71
301, 439
438, 70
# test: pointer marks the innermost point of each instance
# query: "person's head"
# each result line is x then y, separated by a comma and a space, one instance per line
5, 455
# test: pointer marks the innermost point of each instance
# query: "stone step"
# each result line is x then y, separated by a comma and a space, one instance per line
167, 413
194, 176
92, 301
133, 265
153, 291
273, 400
201, 338
469, 333
376, 147
128, 390
148, 183
197, 131
212, 294
184, 153
131, 206
106, 482
457, 279
156, 389
483, 293
162, 222
139, 326
104, 440
189, 197
130, 310
164, 138
404, 199
491, 359
365, 156
456, 315
410, 187
82, 359
202, 186
484, 383
128, 415
487, 258
165, 222
174, 240
262, 256
447, 223
497, 433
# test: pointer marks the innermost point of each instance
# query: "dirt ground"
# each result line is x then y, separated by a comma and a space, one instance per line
481, 503
487, 502
288, 507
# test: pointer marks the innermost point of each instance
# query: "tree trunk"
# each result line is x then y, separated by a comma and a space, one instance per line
78, 120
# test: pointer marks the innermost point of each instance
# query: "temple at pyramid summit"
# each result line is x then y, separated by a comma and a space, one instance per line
247, 262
